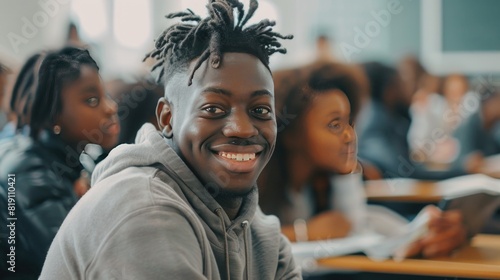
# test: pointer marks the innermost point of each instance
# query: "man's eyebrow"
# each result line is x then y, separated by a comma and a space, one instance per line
216, 90
261, 92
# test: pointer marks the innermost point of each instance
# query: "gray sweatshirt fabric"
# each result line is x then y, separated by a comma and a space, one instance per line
147, 216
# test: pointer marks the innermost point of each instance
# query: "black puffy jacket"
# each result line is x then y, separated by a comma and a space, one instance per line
44, 171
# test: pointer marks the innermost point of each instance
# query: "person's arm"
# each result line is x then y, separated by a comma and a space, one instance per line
325, 225
348, 197
445, 234
154, 243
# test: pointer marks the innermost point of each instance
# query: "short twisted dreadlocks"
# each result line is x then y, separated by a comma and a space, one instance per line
208, 38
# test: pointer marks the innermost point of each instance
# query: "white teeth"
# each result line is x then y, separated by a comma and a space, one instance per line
238, 157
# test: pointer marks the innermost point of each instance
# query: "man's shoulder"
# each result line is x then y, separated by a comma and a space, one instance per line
113, 202
138, 187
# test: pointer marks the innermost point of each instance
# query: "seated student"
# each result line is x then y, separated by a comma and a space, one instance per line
295, 182
412, 73
182, 203
435, 119
426, 110
479, 135
383, 125
316, 148
69, 110
16, 138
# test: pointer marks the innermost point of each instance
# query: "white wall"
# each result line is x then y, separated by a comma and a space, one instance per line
26, 26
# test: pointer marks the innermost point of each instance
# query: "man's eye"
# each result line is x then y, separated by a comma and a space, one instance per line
93, 101
261, 111
214, 110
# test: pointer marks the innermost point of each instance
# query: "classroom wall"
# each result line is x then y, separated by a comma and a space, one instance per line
26, 26
360, 29
304, 19
471, 25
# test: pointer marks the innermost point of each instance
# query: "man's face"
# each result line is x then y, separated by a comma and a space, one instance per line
224, 126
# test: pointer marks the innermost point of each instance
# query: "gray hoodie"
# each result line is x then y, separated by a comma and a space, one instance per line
147, 216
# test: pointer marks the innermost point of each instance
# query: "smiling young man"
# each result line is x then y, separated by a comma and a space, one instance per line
182, 203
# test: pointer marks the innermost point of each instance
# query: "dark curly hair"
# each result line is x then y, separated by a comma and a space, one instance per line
295, 89
57, 70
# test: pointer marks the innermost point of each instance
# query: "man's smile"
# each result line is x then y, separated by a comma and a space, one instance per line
237, 158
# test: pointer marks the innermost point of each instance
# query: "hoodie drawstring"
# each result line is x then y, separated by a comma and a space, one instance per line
218, 211
244, 225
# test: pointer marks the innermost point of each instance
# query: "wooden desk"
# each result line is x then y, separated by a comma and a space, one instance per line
403, 190
481, 259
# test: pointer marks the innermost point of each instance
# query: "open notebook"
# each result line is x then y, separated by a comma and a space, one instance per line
476, 196
385, 234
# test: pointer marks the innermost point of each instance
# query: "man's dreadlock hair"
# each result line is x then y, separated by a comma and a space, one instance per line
208, 38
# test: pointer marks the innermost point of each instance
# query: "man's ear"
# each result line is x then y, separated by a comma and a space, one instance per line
164, 117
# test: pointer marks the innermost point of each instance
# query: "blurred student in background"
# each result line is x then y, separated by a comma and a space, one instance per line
436, 116
412, 73
426, 110
69, 110
314, 177
310, 147
22, 97
137, 106
479, 135
383, 128
15, 141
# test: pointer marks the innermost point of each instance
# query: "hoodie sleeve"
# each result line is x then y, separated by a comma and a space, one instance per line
153, 243
287, 269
